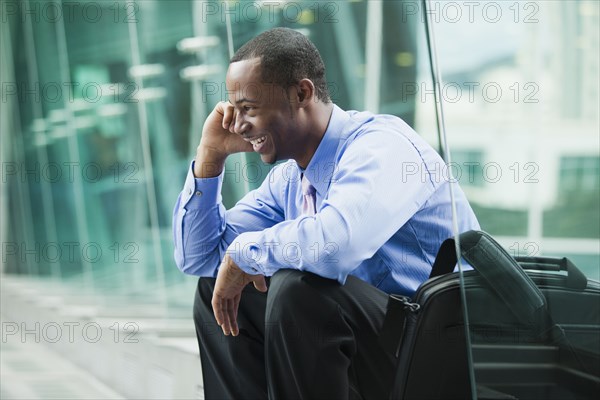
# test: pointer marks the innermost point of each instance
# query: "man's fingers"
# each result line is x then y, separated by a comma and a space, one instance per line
236, 306
223, 321
230, 282
227, 115
217, 309
232, 125
225, 311
231, 118
232, 312
260, 283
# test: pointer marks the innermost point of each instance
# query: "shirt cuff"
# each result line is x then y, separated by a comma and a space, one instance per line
247, 253
201, 193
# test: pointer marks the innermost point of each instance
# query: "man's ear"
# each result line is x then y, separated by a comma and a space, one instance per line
306, 92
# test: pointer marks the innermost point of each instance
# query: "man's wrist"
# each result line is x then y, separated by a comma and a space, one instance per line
208, 163
201, 193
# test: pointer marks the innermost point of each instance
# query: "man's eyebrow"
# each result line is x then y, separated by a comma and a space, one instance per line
244, 100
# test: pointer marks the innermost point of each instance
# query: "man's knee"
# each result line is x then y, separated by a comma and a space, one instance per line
203, 298
292, 291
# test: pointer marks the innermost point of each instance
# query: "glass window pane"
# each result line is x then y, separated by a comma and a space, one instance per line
520, 88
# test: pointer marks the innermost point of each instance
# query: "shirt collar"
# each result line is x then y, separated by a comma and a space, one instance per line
321, 167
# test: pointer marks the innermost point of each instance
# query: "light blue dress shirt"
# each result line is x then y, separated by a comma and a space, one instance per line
383, 210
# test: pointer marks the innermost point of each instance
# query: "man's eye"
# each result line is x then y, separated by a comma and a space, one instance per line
248, 108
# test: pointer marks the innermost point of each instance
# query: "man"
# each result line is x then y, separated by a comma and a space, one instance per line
357, 212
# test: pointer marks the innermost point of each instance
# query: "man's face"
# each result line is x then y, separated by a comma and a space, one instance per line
263, 113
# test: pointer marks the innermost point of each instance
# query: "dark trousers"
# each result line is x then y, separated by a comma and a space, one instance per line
306, 338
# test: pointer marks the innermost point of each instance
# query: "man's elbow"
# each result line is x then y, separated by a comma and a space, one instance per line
185, 266
196, 266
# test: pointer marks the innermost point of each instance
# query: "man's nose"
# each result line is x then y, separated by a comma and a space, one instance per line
240, 126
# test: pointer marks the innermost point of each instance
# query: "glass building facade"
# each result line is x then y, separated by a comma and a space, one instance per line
109, 99
103, 102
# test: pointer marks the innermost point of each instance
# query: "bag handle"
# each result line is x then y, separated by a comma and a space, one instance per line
576, 279
500, 271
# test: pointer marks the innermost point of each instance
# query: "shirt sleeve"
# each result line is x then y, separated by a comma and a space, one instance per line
203, 229
369, 199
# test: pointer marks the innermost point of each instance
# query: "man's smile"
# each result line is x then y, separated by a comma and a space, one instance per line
257, 143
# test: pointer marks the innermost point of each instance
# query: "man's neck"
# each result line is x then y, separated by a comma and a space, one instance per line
316, 131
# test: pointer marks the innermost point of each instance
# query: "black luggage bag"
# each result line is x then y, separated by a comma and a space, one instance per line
534, 333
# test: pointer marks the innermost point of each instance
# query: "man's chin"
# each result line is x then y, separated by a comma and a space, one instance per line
268, 159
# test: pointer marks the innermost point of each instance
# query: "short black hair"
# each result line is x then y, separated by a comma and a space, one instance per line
287, 56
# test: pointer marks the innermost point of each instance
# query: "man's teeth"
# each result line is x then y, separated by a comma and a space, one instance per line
258, 141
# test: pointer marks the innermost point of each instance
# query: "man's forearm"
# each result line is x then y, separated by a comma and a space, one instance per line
198, 225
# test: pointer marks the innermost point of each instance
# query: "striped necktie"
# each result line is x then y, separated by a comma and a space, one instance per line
309, 199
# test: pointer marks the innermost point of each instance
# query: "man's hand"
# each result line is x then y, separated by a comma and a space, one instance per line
231, 280
220, 138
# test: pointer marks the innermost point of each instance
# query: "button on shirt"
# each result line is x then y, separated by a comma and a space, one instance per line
382, 210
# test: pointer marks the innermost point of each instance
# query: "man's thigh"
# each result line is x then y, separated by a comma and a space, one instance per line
328, 312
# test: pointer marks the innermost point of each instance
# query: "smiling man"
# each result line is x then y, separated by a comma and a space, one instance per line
358, 211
